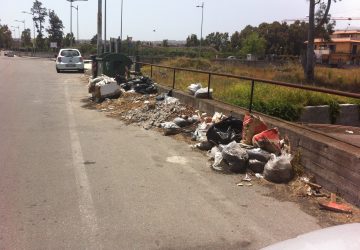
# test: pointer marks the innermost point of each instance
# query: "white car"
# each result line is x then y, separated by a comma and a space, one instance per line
69, 59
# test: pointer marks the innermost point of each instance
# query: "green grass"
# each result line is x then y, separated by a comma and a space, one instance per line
278, 101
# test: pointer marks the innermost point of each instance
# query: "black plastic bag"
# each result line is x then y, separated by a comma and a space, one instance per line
225, 131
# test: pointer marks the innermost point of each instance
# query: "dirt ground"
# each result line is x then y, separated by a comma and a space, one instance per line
134, 108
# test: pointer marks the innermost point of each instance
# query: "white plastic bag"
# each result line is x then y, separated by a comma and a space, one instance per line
194, 87
203, 93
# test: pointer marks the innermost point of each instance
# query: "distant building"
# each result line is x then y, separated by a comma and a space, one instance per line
343, 48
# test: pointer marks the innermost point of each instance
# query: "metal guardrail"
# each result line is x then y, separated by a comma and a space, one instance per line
253, 81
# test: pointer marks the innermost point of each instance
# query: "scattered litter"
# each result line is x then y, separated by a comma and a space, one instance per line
217, 117
244, 184
259, 176
334, 206
279, 169
246, 178
349, 131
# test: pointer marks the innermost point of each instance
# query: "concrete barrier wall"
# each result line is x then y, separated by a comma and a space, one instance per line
335, 164
349, 115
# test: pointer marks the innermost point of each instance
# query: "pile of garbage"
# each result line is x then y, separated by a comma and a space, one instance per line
237, 146
104, 87
234, 145
141, 85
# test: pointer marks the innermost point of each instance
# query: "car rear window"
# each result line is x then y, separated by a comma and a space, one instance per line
70, 53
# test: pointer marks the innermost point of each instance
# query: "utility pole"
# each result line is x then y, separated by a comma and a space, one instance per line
105, 28
202, 21
121, 25
99, 27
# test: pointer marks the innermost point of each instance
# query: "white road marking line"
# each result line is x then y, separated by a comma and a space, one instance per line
86, 205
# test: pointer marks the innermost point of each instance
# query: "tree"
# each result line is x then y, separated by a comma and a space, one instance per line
94, 40
254, 44
26, 38
192, 41
218, 40
235, 41
310, 60
5, 37
297, 37
55, 29
39, 14
67, 39
165, 43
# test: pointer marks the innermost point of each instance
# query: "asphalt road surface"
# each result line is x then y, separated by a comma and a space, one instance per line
71, 178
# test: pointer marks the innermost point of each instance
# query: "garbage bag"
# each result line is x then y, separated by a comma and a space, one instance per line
200, 132
236, 157
219, 163
268, 140
194, 87
169, 125
171, 100
204, 145
181, 122
225, 131
256, 166
279, 169
258, 154
252, 125
203, 93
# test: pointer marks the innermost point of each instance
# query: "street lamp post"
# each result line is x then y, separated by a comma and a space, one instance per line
32, 13
202, 21
23, 21
77, 21
99, 28
105, 49
71, 7
17, 27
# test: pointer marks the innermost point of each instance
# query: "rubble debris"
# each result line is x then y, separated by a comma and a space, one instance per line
252, 125
279, 169
268, 140
225, 131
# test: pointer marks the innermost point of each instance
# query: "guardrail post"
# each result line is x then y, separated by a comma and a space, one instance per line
151, 71
174, 80
251, 95
209, 81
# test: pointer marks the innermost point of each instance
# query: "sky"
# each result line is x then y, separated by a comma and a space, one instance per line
155, 20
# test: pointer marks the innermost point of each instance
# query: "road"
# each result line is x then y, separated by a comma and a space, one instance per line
71, 178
